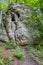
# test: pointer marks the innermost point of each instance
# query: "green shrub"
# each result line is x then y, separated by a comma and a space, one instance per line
1, 52
5, 62
18, 53
10, 45
2, 61
8, 61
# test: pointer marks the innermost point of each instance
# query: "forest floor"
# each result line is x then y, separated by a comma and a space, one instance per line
28, 60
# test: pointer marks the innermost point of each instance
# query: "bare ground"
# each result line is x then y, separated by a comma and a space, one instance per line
28, 60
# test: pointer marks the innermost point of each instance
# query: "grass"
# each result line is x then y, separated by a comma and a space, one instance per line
1, 52
2, 61
5, 62
36, 53
18, 53
8, 61
10, 45
15, 50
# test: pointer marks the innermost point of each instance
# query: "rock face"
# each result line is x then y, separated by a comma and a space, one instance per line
21, 35
24, 24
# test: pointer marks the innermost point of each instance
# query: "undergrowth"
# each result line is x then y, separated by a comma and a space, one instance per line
5, 62
37, 52
18, 53
10, 45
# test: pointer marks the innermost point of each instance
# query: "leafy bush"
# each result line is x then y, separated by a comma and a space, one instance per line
5, 62
10, 45
18, 53
1, 52
37, 52
8, 61
2, 61
4, 4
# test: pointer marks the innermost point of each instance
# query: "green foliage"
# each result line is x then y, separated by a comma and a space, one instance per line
18, 53
41, 4
37, 52
8, 61
19, 1
2, 61
4, 4
10, 45
33, 3
1, 52
5, 62
5, 7
0, 5
40, 17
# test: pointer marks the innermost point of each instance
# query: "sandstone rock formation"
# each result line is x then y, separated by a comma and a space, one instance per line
21, 24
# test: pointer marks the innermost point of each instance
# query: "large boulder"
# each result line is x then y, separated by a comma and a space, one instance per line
25, 24
22, 35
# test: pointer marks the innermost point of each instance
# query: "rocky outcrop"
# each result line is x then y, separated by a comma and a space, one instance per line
21, 34
21, 24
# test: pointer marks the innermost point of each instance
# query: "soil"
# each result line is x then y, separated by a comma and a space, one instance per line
28, 60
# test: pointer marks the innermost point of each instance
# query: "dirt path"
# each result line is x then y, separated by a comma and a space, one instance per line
28, 60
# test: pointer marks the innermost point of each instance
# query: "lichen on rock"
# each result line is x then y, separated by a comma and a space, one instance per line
24, 24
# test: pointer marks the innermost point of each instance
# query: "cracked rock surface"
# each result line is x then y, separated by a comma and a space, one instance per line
20, 24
